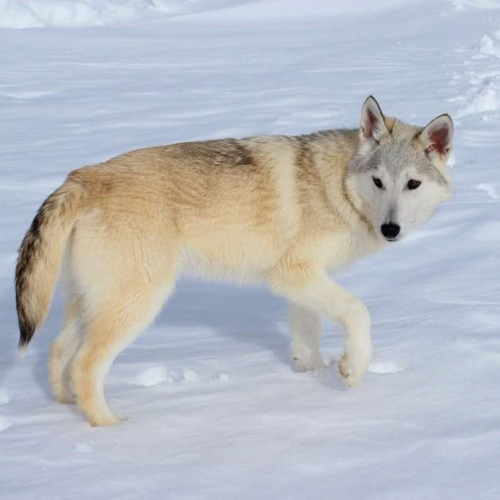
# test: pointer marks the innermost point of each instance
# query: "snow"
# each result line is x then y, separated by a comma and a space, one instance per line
83, 448
214, 409
153, 376
387, 367
475, 4
67, 13
488, 47
489, 189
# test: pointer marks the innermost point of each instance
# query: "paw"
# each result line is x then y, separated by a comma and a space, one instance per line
105, 421
308, 363
63, 394
352, 369
66, 399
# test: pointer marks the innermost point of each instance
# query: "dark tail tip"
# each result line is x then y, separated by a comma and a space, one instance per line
26, 331
26, 326
25, 263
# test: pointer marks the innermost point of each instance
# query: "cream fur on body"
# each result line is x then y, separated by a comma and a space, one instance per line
276, 210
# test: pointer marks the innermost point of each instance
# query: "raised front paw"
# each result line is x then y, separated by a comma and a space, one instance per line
352, 369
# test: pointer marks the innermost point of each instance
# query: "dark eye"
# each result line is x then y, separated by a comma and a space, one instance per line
378, 183
413, 184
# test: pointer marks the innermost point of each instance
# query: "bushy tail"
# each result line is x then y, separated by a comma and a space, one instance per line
40, 257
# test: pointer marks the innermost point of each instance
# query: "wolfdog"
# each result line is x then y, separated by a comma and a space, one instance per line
280, 210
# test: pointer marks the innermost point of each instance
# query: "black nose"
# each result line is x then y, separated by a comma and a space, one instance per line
390, 231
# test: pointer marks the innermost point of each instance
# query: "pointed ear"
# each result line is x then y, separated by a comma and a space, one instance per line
437, 138
373, 127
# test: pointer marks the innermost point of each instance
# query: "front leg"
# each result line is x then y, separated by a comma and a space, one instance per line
305, 329
311, 287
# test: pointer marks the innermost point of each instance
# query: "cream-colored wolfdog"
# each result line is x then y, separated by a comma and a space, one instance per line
279, 210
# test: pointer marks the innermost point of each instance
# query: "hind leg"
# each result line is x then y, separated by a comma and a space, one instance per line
124, 260
110, 328
62, 352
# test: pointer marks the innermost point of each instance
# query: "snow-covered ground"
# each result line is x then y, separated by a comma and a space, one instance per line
216, 413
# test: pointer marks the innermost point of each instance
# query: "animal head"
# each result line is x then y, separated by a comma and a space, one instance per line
399, 175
